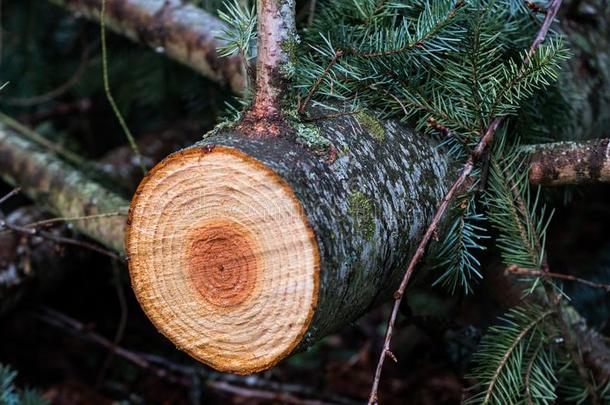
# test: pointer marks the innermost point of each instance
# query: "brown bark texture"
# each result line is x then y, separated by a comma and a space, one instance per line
570, 163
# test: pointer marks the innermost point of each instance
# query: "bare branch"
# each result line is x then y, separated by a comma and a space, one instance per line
538, 273
564, 163
184, 32
276, 42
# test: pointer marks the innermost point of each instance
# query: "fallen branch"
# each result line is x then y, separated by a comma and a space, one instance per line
61, 188
250, 387
564, 163
184, 32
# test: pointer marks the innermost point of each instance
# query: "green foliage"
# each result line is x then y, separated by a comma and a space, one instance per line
455, 63
514, 210
10, 395
572, 389
515, 362
455, 254
444, 67
240, 31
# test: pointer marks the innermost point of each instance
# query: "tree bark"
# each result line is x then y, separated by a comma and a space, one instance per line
276, 42
365, 213
182, 31
564, 163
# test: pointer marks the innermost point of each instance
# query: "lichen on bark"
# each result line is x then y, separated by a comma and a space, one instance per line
361, 207
371, 124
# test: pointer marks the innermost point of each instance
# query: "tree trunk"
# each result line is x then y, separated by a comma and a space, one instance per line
242, 250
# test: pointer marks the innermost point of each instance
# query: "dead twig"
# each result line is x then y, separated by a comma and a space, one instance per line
538, 273
32, 232
421, 248
11, 193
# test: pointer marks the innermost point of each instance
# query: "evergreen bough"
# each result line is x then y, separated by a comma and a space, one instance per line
448, 69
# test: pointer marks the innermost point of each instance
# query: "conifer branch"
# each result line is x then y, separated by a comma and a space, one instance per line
516, 342
417, 43
529, 372
314, 88
110, 97
481, 147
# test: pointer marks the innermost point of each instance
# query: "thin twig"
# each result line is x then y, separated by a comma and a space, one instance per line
49, 221
464, 174
551, 12
110, 97
58, 239
314, 88
12, 193
421, 248
538, 273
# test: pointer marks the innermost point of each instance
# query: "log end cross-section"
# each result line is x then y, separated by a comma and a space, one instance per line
243, 250
222, 258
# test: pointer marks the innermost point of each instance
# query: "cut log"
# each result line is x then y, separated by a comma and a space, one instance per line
242, 250
365, 209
